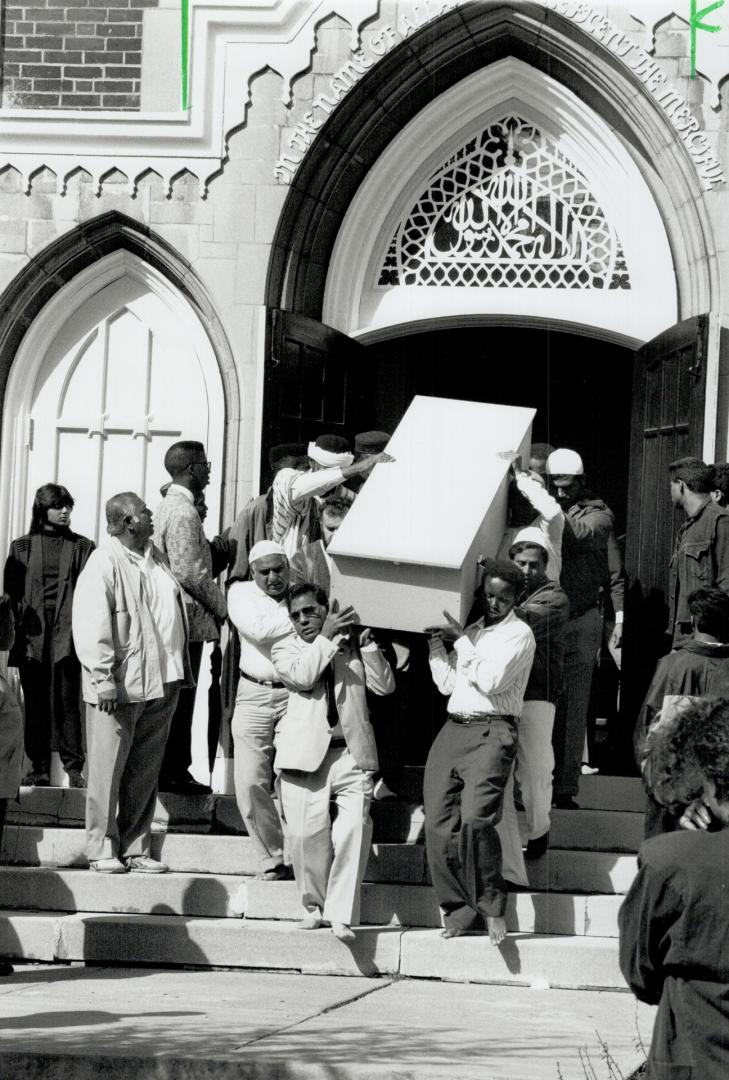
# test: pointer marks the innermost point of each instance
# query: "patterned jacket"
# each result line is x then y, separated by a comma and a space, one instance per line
178, 533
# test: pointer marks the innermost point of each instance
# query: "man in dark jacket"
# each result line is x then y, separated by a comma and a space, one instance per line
674, 933
700, 557
590, 564
698, 667
545, 608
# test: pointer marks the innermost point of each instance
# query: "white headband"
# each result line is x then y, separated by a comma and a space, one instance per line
327, 458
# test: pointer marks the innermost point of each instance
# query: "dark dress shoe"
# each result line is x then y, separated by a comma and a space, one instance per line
536, 848
6, 968
185, 785
282, 872
565, 802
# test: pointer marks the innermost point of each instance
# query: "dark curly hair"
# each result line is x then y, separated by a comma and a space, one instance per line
685, 750
505, 570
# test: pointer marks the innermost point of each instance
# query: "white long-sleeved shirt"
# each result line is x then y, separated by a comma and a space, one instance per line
488, 669
293, 492
549, 520
260, 621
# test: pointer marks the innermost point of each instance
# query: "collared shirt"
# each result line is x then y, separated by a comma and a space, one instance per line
178, 489
488, 669
260, 621
293, 492
161, 594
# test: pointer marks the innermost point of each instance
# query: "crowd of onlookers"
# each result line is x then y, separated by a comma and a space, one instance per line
318, 703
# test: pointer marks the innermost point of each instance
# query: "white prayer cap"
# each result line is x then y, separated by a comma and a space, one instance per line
327, 458
264, 548
531, 535
564, 463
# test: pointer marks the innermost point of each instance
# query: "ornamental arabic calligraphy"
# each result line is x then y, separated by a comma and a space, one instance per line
507, 209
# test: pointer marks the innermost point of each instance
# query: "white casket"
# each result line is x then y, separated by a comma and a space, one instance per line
408, 547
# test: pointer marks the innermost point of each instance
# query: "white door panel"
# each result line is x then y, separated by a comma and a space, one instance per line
119, 385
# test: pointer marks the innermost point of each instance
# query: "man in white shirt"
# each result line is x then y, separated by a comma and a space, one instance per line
131, 636
469, 763
259, 613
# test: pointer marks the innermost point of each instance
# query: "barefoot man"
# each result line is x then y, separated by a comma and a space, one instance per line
485, 673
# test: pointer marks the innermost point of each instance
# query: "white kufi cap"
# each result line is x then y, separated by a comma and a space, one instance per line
565, 463
264, 548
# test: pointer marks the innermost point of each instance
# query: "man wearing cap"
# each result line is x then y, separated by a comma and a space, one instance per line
544, 607
332, 464
259, 613
590, 562
531, 504
367, 443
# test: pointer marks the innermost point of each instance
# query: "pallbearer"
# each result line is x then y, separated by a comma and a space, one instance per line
485, 674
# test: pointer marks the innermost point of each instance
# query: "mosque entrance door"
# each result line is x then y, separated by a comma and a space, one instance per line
313, 381
669, 390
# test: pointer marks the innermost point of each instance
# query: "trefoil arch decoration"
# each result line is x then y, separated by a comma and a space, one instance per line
508, 209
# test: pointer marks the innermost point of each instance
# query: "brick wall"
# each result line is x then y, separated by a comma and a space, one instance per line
72, 54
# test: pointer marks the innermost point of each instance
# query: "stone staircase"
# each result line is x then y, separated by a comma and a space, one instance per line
209, 911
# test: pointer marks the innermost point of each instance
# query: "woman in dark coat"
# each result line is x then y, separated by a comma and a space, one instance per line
40, 576
674, 930
11, 733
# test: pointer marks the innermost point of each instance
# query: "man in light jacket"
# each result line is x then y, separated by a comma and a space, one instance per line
131, 636
325, 753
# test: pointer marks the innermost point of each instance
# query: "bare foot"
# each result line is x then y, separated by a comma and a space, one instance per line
343, 932
451, 932
311, 921
497, 928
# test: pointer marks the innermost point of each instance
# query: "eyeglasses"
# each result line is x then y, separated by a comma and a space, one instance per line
208, 464
303, 613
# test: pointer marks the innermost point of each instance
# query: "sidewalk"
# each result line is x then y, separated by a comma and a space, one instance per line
78, 1023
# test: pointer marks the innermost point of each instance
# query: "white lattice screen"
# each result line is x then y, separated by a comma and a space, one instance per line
507, 209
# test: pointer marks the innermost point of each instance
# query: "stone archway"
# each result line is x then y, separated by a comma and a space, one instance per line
432, 61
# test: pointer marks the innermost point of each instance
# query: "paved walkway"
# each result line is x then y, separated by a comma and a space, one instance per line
78, 1023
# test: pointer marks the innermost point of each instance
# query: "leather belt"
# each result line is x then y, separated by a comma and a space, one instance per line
263, 682
480, 718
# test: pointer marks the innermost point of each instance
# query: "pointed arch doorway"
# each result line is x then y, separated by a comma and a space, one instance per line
115, 368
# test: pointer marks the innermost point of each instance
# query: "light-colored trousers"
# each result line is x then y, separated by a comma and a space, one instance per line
124, 752
258, 709
533, 771
329, 858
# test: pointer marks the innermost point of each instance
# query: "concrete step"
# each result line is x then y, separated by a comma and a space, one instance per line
210, 896
561, 870
42, 889
394, 822
416, 905
25, 845
573, 962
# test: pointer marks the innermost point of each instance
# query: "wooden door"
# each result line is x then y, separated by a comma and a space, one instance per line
313, 383
669, 389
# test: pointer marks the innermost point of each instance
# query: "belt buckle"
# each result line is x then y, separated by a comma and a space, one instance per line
467, 721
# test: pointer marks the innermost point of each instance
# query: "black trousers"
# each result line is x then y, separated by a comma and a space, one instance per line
178, 752
465, 776
52, 693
